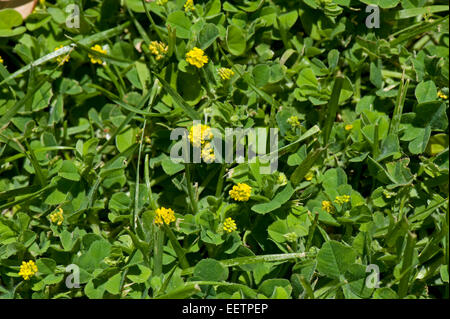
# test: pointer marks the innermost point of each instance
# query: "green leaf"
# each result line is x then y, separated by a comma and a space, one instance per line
10, 18
281, 198
181, 23
235, 39
119, 201
211, 270
113, 284
334, 259
208, 34
69, 171
426, 91
382, 3
46, 265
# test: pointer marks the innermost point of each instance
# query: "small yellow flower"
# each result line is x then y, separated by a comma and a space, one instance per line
189, 6
442, 95
62, 59
309, 176
208, 153
1, 59
282, 179
57, 217
158, 49
229, 225
28, 269
225, 73
388, 194
348, 127
327, 206
161, 2
196, 57
200, 133
164, 216
342, 199
95, 59
293, 121
241, 192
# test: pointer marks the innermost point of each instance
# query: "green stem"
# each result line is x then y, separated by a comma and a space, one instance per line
220, 181
190, 189
406, 266
311, 232
158, 257
177, 247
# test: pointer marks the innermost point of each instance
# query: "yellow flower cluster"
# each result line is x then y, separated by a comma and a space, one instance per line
348, 127
1, 59
189, 6
158, 49
196, 57
62, 59
342, 199
327, 206
57, 217
225, 73
229, 225
200, 133
95, 59
28, 269
164, 216
442, 95
241, 192
208, 153
293, 121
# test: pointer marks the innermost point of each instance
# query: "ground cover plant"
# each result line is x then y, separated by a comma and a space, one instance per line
92, 204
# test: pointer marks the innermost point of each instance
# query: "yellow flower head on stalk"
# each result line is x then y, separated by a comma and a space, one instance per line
95, 59
293, 121
196, 57
208, 153
200, 133
1, 59
28, 269
327, 206
348, 127
442, 95
342, 199
164, 216
229, 225
225, 73
62, 59
189, 6
241, 192
309, 176
57, 217
158, 49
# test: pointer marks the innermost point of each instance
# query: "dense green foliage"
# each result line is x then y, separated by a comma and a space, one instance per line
362, 178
